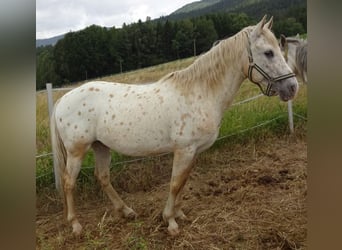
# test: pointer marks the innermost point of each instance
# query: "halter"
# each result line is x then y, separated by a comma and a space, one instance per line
270, 80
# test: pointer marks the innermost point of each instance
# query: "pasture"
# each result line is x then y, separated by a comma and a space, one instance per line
253, 197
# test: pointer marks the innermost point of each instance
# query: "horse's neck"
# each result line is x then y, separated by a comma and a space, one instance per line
230, 86
292, 56
223, 67
215, 77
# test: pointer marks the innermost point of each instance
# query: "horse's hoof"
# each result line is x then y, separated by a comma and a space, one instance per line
76, 229
173, 227
131, 216
173, 231
129, 213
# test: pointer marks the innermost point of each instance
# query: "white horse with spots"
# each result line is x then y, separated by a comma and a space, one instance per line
181, 113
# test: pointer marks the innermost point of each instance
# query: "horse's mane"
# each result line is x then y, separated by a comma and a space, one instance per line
209, 68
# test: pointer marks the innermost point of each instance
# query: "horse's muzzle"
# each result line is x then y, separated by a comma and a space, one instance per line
287, 89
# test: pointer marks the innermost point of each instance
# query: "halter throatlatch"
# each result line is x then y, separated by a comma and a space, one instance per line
270, 80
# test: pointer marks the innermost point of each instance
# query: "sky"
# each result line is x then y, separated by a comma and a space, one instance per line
56, 17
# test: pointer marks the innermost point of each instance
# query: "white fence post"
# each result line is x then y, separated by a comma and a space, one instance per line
289, 108
49, 98
50, 107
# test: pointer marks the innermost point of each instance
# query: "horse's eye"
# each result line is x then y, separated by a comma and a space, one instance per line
269, 53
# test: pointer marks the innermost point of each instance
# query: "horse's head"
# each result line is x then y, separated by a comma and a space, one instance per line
267, 66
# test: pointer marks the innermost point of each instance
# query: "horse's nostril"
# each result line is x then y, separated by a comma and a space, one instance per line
293, 88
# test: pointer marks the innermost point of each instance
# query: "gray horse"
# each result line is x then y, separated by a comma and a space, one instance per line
295, 52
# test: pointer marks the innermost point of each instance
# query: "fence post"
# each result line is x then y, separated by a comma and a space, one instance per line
49, 98
289, 108
50, 107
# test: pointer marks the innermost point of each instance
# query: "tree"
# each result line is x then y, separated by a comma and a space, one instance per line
239, 21
83, 54
182, 44
288, 27
206, 34
223, 24
45, 67
166, 40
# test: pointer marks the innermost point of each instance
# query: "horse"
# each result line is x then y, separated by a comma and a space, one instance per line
295, 52
180, 113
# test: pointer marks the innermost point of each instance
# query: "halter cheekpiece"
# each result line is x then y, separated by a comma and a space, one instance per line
270, 80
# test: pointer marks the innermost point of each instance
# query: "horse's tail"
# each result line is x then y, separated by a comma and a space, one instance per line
59, 153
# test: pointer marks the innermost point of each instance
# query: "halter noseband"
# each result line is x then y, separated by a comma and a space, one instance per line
270, 80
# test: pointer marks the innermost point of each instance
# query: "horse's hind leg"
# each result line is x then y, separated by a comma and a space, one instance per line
102, 161
70, 174
182, 164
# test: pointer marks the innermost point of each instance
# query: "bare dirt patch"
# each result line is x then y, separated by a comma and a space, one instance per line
250, 196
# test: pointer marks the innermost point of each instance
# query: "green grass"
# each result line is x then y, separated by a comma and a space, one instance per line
256, 112
135, 241
236, 119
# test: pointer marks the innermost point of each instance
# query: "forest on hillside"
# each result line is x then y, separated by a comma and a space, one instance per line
97, 51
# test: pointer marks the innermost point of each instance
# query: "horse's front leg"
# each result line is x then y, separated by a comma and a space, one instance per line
182, 163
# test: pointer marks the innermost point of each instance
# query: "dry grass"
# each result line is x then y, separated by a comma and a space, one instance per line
149, 74
250, 196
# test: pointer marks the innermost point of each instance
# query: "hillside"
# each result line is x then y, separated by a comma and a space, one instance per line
195, 6
48, 41
253, 8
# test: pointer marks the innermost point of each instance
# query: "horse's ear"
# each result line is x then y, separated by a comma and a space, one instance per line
283, 42
258, 28
269, 23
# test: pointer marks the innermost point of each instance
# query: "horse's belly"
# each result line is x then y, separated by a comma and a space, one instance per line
137, 145
136, 138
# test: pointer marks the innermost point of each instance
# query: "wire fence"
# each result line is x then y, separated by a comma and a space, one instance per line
264, 123
43, 155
